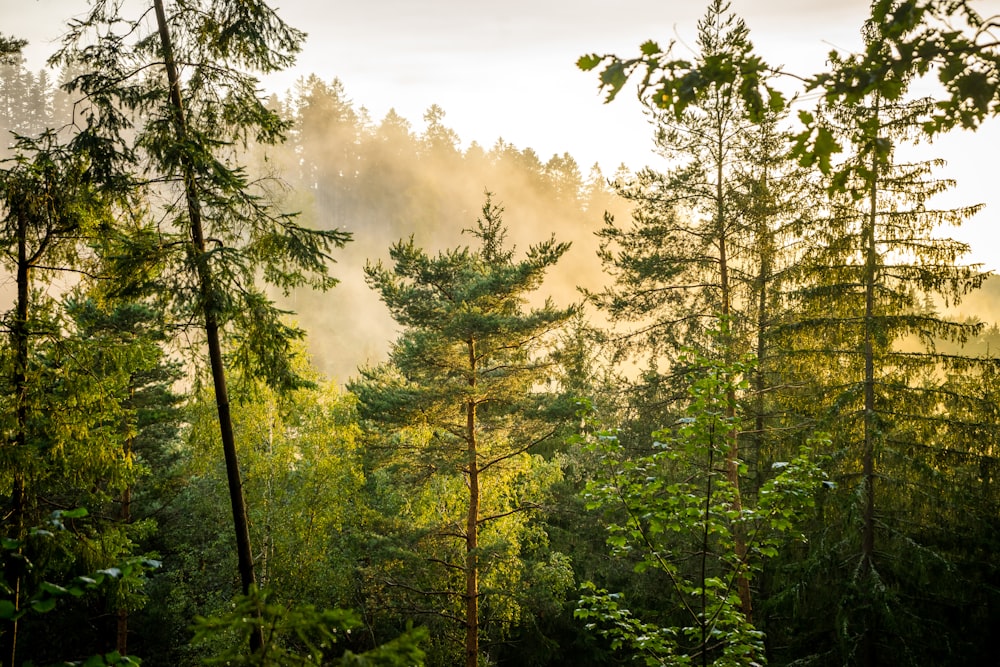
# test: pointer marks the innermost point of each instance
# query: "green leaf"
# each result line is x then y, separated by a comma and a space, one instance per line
775, 101
614, 77
588, 62
824, 148
52, 589
7, 609
44, 605
650, 48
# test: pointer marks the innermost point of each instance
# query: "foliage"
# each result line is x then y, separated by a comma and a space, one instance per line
905, 40
302, 473
10, 47
248, 241
26, 558
217, 235
672, 511
300, 635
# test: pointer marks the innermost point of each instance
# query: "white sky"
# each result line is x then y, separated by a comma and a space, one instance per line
505, 68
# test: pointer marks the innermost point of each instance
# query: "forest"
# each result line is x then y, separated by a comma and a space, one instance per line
285, 384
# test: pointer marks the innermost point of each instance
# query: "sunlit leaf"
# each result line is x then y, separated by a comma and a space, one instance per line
588, 62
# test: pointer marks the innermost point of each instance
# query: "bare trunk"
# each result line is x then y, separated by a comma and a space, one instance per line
868, 453
121, 625
17, 495
765, 250
125, 517
240, 521
733, 456
472, 524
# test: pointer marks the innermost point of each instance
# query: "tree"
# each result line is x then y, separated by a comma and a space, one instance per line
124, 350
217, 234
673, 512
865, 317
49, 204
881, 273
25, 103
460, 390
10, 48
702, 250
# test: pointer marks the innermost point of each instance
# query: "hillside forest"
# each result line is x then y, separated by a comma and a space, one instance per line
286, 384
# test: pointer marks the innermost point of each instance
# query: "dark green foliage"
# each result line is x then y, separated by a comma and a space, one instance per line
673, 511
301, 635
37, 560
453, 491
10, 48
244, 239
865, 316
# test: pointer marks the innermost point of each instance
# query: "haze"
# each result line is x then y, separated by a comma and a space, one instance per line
507, 70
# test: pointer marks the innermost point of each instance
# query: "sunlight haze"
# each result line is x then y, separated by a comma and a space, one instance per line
508, 70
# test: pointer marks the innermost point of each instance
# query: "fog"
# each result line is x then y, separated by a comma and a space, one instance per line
391, 178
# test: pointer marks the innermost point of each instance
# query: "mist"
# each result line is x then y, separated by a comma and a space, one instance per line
383, 181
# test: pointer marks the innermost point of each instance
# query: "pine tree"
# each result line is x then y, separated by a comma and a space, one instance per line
460, 392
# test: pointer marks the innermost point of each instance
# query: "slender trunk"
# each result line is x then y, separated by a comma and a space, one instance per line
125, 517
19, 332
703, 621
733, 457
868, 453
121, 627
765, 250
472, 523
209, 301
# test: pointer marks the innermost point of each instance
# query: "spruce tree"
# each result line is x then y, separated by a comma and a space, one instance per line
704, 248
50, 205
170, 106
862, 350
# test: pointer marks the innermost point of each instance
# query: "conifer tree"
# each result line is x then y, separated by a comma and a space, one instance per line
461, 389
170, 108
50, 205
862, 349
702, 250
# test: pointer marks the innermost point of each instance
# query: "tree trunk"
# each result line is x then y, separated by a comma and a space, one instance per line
472, 524
868, 452
703, 622
240, 521
17, 495
733, 457
121, 625
125, 517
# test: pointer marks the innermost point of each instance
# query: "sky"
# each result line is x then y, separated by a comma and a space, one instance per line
507, 69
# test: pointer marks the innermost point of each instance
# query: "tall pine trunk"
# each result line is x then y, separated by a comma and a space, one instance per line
868, 453
472, 523
20, 344
733, 456
240, 521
